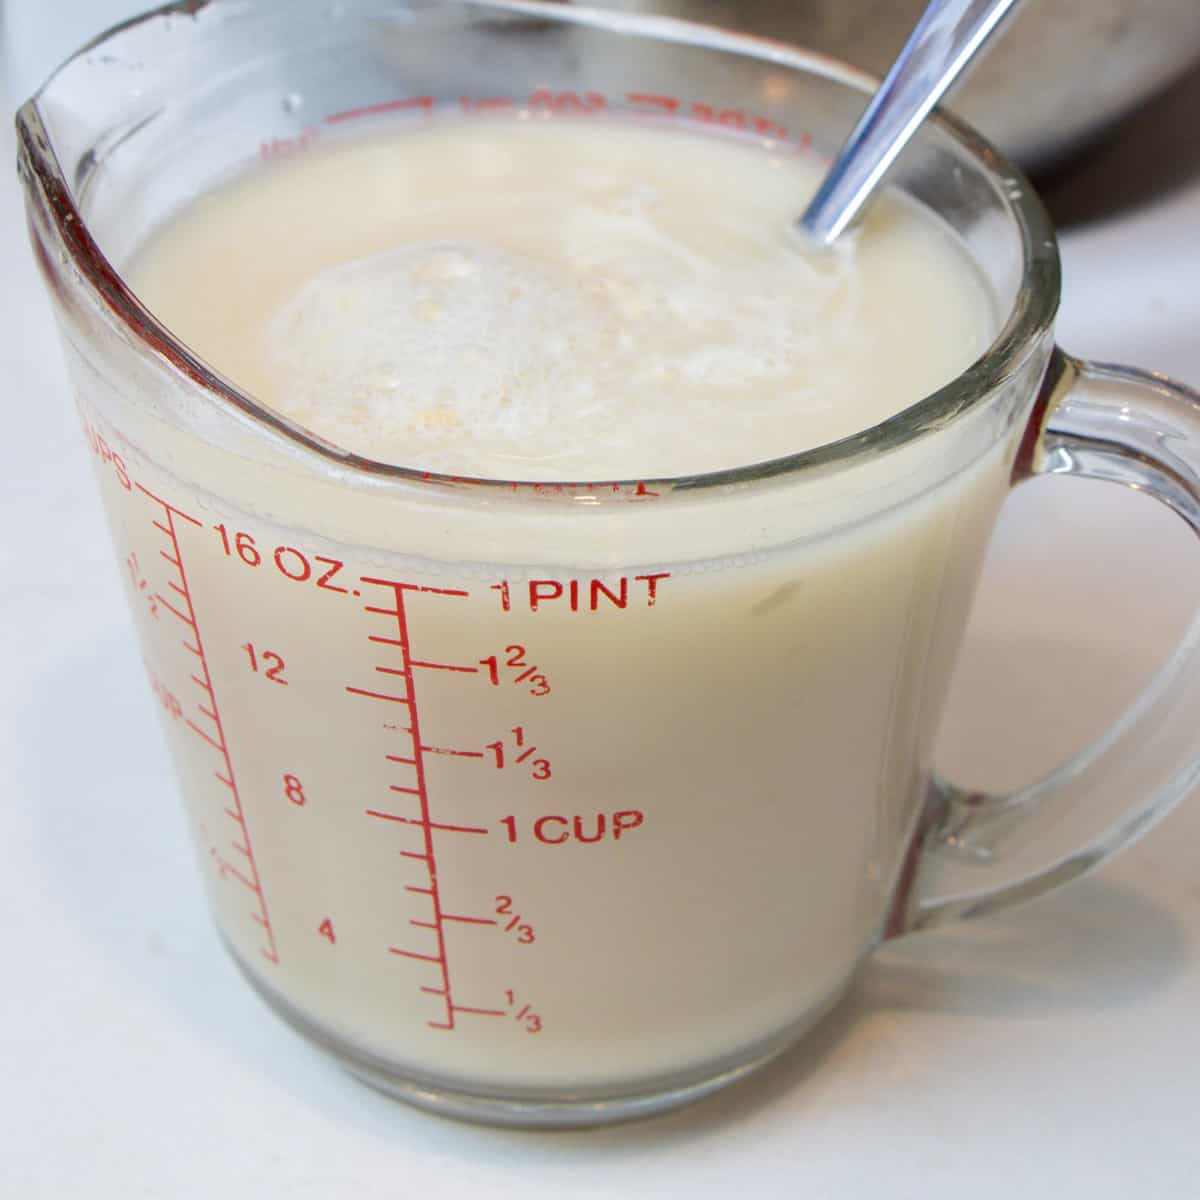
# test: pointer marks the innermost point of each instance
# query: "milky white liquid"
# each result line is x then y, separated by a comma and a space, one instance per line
562, 300
740, 693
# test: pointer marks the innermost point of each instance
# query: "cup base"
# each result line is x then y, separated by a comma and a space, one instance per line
543, 1108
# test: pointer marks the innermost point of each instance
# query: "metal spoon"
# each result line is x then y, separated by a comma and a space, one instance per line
945, 40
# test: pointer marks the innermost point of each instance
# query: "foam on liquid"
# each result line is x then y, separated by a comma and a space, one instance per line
560, 300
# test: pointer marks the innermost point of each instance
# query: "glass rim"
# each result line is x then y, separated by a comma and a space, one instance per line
1030, 317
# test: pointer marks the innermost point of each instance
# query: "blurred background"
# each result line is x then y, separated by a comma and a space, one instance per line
1062, 73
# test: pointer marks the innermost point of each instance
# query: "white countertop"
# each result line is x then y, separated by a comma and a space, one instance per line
1049, 1052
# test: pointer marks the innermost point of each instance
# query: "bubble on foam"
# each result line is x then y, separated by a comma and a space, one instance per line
424, 342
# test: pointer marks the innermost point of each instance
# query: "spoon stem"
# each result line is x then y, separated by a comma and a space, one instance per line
945, 40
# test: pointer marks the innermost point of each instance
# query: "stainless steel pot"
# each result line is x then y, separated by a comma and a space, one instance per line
1061, 72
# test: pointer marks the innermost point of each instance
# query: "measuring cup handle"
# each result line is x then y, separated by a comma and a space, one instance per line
977, 852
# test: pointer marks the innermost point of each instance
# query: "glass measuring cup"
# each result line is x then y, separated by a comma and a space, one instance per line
561, 803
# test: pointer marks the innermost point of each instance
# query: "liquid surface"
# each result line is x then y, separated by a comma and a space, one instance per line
561, 300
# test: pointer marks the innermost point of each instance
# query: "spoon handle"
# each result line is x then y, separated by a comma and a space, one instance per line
944, 41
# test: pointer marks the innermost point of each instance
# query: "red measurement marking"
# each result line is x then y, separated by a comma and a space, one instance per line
171, 511
443, 667
424, 103
436, 922
416, 587
377, 695
567, 102
665, 104
200, 733
482, 1012
469, 920
421, 823
172, 609
431, 958
195, 645
228, 870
